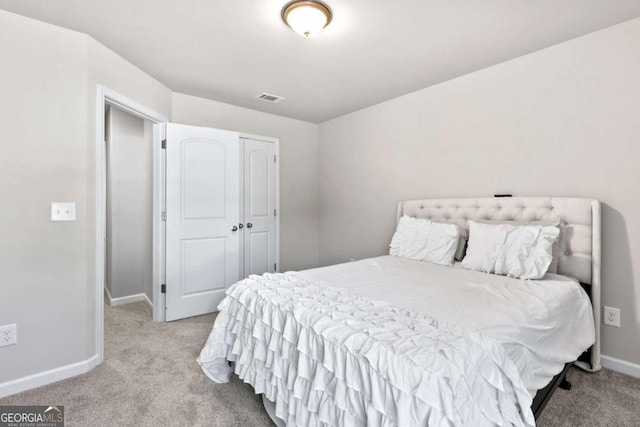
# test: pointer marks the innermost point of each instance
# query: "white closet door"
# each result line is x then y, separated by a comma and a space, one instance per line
203, 208
259, 207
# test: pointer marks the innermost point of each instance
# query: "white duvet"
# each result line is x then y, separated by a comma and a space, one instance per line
542, 324
399, 343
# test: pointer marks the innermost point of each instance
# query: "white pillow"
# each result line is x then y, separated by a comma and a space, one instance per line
424, 240
442, 243
523, 251
555, 250
410, 238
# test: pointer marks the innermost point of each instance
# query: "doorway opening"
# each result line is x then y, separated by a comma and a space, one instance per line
129, 209
129, 174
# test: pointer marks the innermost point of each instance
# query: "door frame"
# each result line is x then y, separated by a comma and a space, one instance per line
275, 141
113, 98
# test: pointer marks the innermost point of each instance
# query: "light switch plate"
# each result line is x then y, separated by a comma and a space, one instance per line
63, 211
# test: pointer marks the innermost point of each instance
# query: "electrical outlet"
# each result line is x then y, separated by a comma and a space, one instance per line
612, 316
8, 335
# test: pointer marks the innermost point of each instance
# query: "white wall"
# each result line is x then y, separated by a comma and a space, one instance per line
148, 232
48, 117
43, 82
299, 208
129, 206
563, 121
108, 267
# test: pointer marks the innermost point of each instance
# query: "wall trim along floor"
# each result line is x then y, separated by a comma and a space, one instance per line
47, 377
620, 365
126, 300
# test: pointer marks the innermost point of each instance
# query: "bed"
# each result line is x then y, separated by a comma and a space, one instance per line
393, 341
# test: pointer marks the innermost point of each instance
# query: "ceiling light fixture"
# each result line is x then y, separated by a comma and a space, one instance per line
306, 18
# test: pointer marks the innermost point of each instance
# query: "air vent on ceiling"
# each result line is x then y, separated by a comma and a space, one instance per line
274, 99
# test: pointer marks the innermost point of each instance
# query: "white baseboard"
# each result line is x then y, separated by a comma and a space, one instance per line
47, 377
107, 295
126, 300
148, 301
619, 365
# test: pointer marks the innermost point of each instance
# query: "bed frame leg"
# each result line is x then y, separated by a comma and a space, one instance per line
565, 384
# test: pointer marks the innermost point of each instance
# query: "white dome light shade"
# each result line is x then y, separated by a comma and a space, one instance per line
306, 18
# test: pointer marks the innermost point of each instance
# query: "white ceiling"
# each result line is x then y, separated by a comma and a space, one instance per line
374, 50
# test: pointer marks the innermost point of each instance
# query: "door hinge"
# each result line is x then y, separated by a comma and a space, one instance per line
274, 159
274, 212
164, 144
163, 289
163, 216
275, 267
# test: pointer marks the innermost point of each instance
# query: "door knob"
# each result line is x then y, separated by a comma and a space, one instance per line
234, 228
249, 225
241, 225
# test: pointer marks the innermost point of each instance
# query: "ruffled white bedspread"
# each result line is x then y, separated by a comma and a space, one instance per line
329, 358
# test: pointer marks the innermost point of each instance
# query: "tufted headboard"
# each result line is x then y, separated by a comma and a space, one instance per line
579, 239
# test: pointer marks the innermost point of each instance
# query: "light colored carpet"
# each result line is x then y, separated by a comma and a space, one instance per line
600, 399
150, 378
